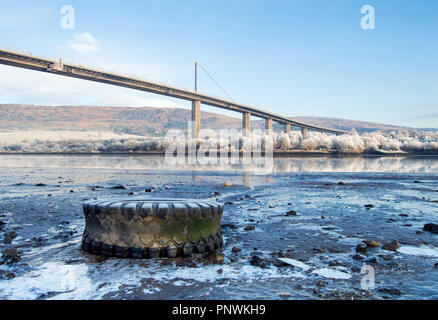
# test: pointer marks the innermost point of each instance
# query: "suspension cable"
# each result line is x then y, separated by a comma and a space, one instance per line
214, 80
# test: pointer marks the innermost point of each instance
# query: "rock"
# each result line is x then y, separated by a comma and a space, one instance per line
417, 181
393, 291
369, 206
8, 237
216, 193
278, 263
220, 271
131, 193
291, 213
334, 263
403, 215
41, 185
249, 228
148, 190
372, 260
371, 243
228, 203
284, 294
361, 247
358, 256
258, 262
340, 183
236, 249
229, 226
391, 246
6, 275
431, 227
436, 265
10, 256
216, 258
118, 188
71, 191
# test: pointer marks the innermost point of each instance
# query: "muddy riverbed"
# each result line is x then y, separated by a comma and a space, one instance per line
292, 234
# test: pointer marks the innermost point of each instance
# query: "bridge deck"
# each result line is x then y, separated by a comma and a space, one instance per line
77, 71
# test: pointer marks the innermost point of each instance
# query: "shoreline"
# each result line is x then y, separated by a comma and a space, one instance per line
279, 154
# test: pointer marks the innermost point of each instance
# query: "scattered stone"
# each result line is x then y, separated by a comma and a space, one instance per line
220, 271
334, 263
391, 246
249, 228
284, 294
216, 194
228, 203
340, 183
371, 243
271, 206
6, 275
417, 181
403, 215
372, 260
216, 258
71, 191
319, 250
41, 185
10, 256
436, 265
229, 226
361, 247
148, 190
236, 249
431, 227
258, 262
358, 256
8, 237
131, 193
393, 291
369, 206
119, 188
291, 213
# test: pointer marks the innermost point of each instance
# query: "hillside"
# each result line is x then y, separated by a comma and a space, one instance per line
141, 121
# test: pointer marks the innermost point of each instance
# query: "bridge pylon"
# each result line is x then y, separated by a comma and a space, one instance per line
196, 118
286, 128
268, 125
303, 131
246, 123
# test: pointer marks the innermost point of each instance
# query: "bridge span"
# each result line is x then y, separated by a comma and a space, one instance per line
77, 71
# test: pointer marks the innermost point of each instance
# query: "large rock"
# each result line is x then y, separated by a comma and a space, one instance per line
391, 246
431, 227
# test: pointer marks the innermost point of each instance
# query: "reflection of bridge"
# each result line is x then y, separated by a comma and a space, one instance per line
58, 67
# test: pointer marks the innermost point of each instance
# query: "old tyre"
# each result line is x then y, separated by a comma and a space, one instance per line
150, 228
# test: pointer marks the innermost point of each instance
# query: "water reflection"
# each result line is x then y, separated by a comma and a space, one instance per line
289, 164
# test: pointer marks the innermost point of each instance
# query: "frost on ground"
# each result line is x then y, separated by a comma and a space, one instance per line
375, 142
309, 255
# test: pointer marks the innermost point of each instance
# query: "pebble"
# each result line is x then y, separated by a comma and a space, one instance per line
371, 243
249, 228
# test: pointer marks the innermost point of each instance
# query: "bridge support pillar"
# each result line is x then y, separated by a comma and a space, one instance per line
268, 125
287, 128
303, 131
246, 123
196, 118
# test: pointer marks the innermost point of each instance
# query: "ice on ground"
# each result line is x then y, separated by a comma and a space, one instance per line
295, 263
419, 251
332, 274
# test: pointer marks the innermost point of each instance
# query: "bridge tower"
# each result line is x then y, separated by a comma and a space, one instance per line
246, 123
303, 131
196, 118
268, 125
287, 128
196, 109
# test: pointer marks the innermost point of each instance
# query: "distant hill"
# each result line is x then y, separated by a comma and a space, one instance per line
142, 121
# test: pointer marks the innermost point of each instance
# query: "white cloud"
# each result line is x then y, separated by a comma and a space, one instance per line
29, 87
83, 43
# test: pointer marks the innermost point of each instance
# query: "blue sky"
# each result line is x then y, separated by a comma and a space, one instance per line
297, 58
